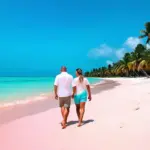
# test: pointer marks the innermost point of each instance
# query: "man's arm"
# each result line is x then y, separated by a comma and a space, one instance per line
74, 91
55, 91
73, 88
56, 88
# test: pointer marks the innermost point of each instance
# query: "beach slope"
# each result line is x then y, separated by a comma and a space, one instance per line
116, 119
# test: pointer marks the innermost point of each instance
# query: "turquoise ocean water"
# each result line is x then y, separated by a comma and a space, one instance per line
14, 89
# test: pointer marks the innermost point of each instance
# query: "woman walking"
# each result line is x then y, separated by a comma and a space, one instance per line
81, 92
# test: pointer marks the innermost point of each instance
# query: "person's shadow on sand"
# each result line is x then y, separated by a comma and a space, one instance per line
69, 123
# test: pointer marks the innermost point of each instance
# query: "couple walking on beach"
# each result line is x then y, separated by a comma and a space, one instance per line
65, 88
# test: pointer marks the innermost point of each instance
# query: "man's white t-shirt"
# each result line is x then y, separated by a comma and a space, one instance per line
80, 86
64, 82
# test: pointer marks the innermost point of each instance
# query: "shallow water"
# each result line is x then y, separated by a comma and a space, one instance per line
23, 88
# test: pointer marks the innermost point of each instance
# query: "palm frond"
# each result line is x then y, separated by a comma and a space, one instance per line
148, 40
143, 31
130, 66
142, 64
142, 36
134, 65
119, 69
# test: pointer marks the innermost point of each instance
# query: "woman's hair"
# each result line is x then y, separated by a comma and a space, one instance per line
81, 77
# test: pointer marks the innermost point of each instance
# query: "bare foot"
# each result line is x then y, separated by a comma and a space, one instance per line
63, 125
79, 125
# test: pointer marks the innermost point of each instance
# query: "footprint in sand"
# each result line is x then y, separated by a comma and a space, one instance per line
122, 125
137, 108
138, 105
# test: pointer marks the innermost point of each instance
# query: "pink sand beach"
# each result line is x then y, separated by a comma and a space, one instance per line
117, 118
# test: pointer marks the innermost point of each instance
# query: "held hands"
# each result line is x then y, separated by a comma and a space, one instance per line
90, 98
56, 96
72, 96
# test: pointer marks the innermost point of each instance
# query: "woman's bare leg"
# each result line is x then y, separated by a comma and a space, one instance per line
78, 110
82, 110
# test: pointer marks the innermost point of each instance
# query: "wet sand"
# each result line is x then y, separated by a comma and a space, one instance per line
12, 113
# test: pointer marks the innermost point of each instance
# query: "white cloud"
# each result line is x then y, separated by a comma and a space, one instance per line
103, 50
120, 53
132, 42
148, 46
109, 62
106, 51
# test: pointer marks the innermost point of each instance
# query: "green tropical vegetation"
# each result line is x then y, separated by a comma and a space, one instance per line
146, 32
134, 64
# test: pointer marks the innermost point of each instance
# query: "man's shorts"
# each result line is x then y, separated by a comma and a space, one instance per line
65, 101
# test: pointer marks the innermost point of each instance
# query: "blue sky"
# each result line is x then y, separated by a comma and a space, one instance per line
38, 36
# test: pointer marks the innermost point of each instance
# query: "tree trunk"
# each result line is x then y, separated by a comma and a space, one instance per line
144, 72
136, 73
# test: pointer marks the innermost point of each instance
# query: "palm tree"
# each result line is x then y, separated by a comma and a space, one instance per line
142, 67
140, 59
133, 63
146, 32
123, 65
136, 58
109, 69
145, 63
140, 49
99, 72
104, 71
87, 74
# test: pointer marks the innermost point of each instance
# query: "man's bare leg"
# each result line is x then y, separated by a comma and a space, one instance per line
62, 113
66, 113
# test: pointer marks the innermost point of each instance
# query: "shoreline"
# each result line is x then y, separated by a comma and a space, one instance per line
20, 110
31, 99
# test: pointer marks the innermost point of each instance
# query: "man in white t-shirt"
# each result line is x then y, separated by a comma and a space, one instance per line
63, 92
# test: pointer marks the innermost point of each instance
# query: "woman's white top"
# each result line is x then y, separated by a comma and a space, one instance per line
80, 86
